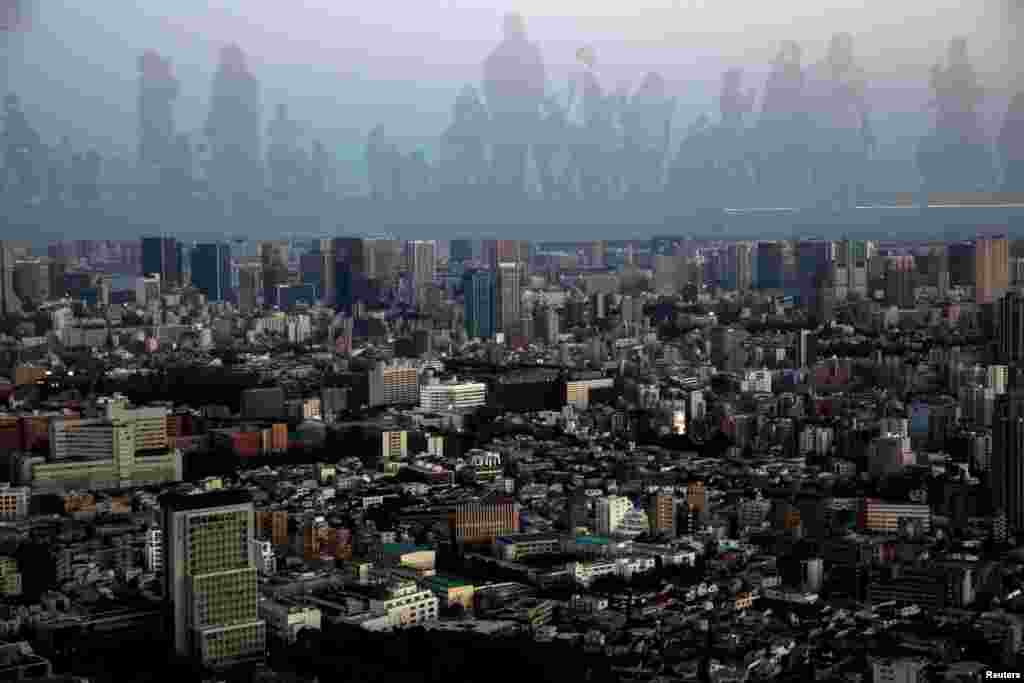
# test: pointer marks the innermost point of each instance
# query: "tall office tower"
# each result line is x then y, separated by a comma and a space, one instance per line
250, 285
158, 89
991, 268
739, 267
1008, 458
546, 325
32, 280
481, 307
813, 261
510, 294
1010, 322
10, 252
383, 260
394, 383
932, 266
328, 271
211, 270
806, 349
460, 251
422, 260
350, 281
274, 261
899, 281
210, 581
662, 513
771, 265
311, 266
234, 128
162, 256
961, 262
853, 256
668, 245
597, 254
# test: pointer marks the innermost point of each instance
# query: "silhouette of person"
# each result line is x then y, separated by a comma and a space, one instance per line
514, 83
782, 164
463, 147
955, 157
1011, 145
647, 124
838, 122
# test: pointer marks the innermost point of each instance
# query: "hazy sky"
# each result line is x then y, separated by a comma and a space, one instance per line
346, 66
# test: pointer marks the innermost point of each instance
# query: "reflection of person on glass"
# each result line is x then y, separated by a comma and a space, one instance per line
514, 83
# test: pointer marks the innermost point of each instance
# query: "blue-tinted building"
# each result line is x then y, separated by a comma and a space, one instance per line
480, 292
771, 265
211, 270
289, 296
813, 260
162, 256
460, 251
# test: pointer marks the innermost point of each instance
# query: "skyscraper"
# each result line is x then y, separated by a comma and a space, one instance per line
480, 304
739, 267
209, 578
1010, 321
162, 256
10, 303
853, 256
211, 270
460, 250
422, 259
991, 268
771, 265
235, 129
813, 261
348, 258
899, 281
250, 285
274, 262
1008, 458
158, 89
509, 295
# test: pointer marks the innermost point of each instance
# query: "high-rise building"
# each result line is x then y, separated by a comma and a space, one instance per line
597, 254
422, 260
1008, 458
813, 262
162, 256
900, 281
460, 251
662, 514
1010, 323
546, 325
991, 268
210, 577
960, 258
806, 349
771, 265
211, 270
853, 257
394, 383
250, 284
739, 267
481, 309
158, 89
32, 280
510, 284
274, 262
609, 513
234, 128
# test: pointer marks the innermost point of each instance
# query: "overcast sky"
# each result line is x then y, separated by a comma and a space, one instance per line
345, 66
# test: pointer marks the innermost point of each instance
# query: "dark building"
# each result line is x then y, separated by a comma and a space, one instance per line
771, 265
813, 261
480, 292
529, 391
1010, 324
460, 251
263, 403
162, 256
211, 270
960, 258
1008, 458
351, 283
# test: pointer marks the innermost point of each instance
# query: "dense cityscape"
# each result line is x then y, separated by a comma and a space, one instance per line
720, 406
